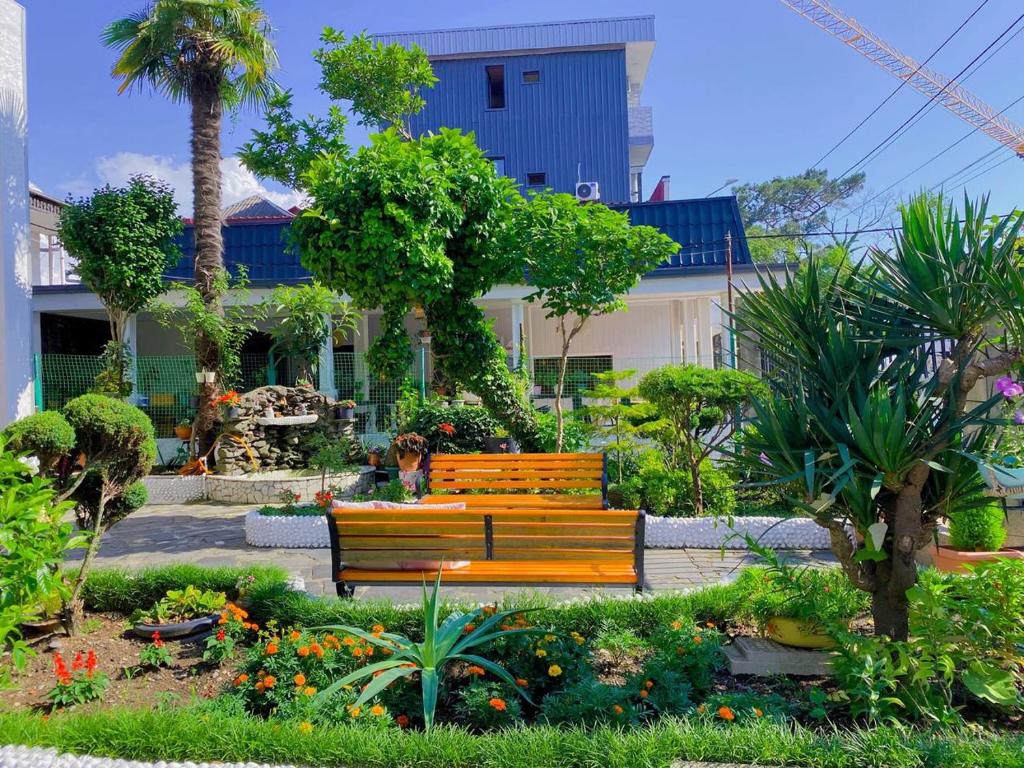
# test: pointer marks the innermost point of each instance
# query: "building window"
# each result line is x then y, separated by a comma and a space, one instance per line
496, 86
536, 179
531, 76
499, 165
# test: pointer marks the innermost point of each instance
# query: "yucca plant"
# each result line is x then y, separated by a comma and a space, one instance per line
443, 643
872, 413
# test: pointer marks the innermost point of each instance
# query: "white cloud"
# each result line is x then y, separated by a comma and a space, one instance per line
237, 182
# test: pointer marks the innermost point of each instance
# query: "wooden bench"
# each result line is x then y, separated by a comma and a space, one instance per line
552, 474
520, 545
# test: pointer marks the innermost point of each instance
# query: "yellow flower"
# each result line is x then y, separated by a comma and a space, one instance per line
541, 653
758, 712
554, 670
355, 711
309, 690
549, 638
376, 710
305, 727
677, 625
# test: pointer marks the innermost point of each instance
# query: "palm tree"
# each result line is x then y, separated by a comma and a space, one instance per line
211, 54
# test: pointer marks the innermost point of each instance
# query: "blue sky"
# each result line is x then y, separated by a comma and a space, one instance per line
740, 88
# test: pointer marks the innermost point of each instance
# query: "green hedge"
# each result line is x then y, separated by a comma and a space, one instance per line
204, 734
114, 590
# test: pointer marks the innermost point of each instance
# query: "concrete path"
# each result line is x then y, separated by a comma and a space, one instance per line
213, 534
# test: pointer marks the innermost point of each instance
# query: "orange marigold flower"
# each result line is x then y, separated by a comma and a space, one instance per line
241, 679
305, 727
271, 649
711, 624
260, 687
475, 671
349, 640
223, 619
378, 628
522, 682
355, 711
357, 652
648, 684
726, 714
677, 625
701, 709
644, 693
303, 650
617, 709
254, 627
498, 704
697, 639
369, 651
269, 681
376, 710
295, 635
300, 679
554, 670
317, 649
758, 712
469, 628
309, 690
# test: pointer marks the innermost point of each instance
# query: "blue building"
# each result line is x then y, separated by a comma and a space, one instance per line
552, 104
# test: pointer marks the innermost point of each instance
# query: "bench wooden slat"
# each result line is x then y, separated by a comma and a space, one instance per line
510, 474
505, 572
515, 500
498, 459
484, 484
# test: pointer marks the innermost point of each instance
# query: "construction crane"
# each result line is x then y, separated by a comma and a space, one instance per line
949, 94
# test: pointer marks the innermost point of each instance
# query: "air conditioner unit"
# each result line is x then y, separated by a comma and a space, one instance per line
587, 191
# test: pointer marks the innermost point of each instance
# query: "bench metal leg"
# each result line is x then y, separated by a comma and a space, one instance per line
345, 590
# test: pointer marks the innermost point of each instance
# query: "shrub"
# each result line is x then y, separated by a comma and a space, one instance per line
820, 597
691, 650
661, 691
743, 707
452, 429
485, 705
667, 492
575, 436
47, 435
977, 528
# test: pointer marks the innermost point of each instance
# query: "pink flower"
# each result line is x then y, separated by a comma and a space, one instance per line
763, 458
1018, 417
1007, 387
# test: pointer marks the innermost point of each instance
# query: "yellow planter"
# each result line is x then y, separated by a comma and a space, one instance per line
797, 633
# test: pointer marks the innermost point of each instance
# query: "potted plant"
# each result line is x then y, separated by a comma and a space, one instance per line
230, 402
410, 448
303, 383
180, 613
500, 442
183, 430
346, 409
976, 535
375, 456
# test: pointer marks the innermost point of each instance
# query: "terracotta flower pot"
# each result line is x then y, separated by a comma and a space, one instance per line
956, 560
373, 459
409, 462
797, 633
183, 433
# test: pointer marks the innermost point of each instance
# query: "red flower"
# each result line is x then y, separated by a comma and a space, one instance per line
323, 498
61, 671
403, 721
231, 397
78, 662
221, 635
447, 428
90, 663
157, 642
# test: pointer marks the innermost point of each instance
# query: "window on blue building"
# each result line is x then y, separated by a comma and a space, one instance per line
499, 165
531, 76
495, 86
536, 179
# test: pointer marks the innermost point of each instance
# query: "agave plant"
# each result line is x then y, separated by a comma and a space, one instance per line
443, 643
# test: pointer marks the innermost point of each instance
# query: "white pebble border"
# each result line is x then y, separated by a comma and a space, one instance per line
38, 757
174, 489
306, 531
715, 533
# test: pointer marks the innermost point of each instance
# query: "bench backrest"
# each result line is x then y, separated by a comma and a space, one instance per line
518, 472
391, 536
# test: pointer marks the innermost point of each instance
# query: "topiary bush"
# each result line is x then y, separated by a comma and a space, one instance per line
666, 492
575, 437
119, 446
977, 528
47, 435
452, 429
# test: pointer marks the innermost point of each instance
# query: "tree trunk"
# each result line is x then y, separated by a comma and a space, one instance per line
698, 489
563, 363
73, 611
207, 110
897, 574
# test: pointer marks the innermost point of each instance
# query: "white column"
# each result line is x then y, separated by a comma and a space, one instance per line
16, 391
705, 345
686, 332
327, 384
517, 333
675, 331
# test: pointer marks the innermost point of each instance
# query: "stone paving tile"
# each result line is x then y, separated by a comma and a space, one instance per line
212, 534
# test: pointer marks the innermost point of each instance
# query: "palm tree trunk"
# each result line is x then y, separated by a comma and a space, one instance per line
207, 111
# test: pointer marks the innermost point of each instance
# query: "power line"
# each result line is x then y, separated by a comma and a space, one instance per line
899, 87
966, 168
965, 182
848, 232
866, 158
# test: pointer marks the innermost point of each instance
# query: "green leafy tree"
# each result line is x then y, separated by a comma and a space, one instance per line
211, 55
581, 260
614, 414
697, 407
402, 223
34, 539
797, 204
863, 418
119, 446
383, 82
123, 240
305, 317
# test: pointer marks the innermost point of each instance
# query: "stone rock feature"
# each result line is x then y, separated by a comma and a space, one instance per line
765, 658
270, 487
272, 436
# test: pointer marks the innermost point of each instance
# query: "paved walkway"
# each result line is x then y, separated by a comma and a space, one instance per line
213, 534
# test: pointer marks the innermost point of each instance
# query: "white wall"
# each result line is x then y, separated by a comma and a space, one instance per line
643, 331
16, 392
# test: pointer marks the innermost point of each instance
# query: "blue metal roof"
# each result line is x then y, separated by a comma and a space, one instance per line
586, 33
699, 226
